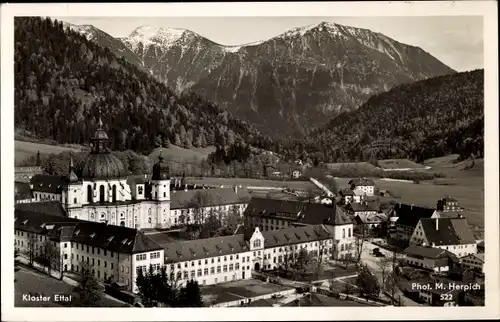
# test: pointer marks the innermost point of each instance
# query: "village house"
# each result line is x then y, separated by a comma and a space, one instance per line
474, 261
447, 204
371, 221
193, 206
408, 217
452, 234
347, 196
363, 208
365, 186
426, 257
296, 173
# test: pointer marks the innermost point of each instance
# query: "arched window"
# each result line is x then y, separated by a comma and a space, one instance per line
89, 194
350, 233
101, 193
114, 193
149, 220
343, 233
74, 200
149, 212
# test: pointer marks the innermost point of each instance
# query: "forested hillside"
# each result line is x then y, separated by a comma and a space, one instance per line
61, 78
426, 119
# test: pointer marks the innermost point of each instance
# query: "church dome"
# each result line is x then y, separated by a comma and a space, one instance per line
101, 166
161, 170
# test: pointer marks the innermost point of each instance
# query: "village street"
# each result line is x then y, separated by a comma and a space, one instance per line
373, 264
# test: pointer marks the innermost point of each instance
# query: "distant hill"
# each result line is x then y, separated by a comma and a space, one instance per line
426, 119
62, 78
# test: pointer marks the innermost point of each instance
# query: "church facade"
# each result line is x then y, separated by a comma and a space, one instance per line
97, 190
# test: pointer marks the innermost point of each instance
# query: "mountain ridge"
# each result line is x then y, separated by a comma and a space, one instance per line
290, 83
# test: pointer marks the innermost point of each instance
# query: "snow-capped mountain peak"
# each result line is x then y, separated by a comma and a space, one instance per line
151, 34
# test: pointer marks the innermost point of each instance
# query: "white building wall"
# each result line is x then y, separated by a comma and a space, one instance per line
143, 261
472, 261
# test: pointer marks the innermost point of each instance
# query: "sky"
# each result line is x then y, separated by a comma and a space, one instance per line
455, 40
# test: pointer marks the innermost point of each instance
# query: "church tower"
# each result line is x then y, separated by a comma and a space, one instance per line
160, 192
72, 192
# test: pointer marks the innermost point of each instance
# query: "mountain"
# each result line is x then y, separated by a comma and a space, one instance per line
62, 80
288, 84
426, 119
114, 45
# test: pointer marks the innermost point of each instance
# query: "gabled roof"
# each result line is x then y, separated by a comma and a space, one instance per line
409, 215
479, 256
213, 197
109, 237
297, 211
364, 206
49, 207
48, 183
450, 231
346, 192
362, 182
372, 218
427, 252
204, 248
22, 191
296, 235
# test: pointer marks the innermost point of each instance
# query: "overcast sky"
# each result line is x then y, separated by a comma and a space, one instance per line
455, 40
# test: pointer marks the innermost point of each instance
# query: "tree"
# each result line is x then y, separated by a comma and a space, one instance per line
190, 295
31, 249
88, 288
384, 265
367, 283
359, 243
38, 160
49, 256
146, 289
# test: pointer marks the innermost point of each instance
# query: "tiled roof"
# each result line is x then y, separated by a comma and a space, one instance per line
52, 207
362, 182
346, 192
22, 191
204, 248
427, 252
479, 256
450, 231
296, 235
47, 183
300, 212
113, 238
368, 206
373, 218
213, 197
409, 215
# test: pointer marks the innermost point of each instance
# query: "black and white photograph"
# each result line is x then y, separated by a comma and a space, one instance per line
182, 157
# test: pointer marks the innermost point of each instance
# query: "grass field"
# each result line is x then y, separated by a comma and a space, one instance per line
357, 165
246, 182
178, 154
392, 164
465, 185
24, 150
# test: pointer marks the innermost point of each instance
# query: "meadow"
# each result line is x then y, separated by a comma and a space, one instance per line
24, 150
248, 182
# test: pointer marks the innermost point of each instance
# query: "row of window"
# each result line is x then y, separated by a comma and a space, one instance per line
142, 257
89, 249
87, 259
212, 261
201, 272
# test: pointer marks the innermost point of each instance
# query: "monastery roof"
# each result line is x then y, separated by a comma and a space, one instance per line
49, 207
296, 235
300, 212
109, 237
204, 248
48, 183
